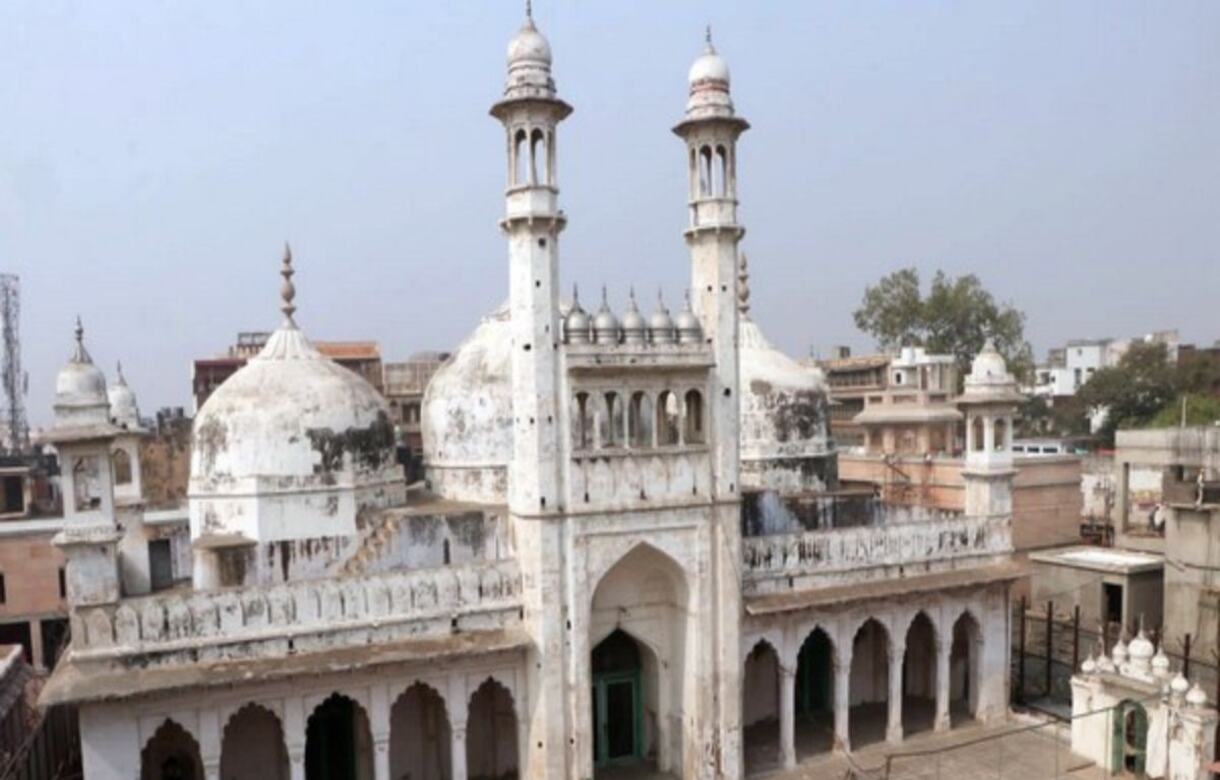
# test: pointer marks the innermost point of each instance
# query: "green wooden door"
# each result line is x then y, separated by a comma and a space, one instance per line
617, 718
1130, 739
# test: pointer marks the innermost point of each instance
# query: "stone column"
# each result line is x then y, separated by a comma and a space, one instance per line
943, 651
787, 715
379, 728
294, 736
209, 743
893, 729
842, 702
457, 730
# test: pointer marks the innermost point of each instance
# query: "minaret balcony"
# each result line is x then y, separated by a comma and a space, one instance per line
714, 212
531, 201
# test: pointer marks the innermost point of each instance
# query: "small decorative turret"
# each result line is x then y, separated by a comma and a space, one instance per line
577, 324
1196, 696
1119, 654
605, 324
661, 325
689, 329
743, 286
1160, 663
635, 329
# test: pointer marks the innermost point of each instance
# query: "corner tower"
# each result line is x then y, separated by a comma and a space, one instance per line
990, 401
711, 129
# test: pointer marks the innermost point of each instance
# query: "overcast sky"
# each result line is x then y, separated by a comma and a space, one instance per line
155, 155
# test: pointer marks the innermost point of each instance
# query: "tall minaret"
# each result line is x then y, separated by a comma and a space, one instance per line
710, 130
531, 112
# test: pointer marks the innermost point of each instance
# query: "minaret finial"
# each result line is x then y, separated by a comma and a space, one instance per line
743, 286
575, 296
529, 10
80, 354
118, 371
707, 37
288, 292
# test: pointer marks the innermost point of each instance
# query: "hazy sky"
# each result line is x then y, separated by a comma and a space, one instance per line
155, 155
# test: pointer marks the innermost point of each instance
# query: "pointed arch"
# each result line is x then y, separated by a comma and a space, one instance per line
420, 736
919, 674
868, 689
760, 686
491, 733
965, 660
338, 742
815, 680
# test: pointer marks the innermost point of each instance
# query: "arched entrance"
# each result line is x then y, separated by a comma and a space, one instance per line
760, 708
1130, 738
815, 707
420, 743
964, 670
919, 677
869, 686
637, 630
253, 746
491, 734
171, 754
338, 745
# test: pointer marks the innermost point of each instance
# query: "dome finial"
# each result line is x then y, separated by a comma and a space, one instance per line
80, 354
743, 286
118, 373
529, 10
288, 292
707, 37
575, 296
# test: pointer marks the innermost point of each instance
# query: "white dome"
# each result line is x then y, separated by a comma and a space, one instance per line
1141, 648
291, 446
784, 417
1196, 696
989, 381
529, 45
1179, 684
710, 66
467, 416
80, 389
124, 411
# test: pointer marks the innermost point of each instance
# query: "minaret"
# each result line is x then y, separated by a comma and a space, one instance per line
530, 112
990, 401
710, 130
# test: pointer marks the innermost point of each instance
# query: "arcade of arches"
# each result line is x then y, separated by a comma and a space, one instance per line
813, 682
416, 738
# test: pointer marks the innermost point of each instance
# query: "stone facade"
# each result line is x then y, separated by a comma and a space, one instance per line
590, 575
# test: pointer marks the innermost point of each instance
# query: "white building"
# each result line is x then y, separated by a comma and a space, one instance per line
1069, 367
627, 554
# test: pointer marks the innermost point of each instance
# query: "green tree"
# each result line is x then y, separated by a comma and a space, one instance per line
1133, 392
956, 317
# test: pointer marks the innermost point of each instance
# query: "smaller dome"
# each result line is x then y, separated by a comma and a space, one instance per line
605, 324
1196, 697
576, 325
529, 45
1089, 666
123, 408
689, 329
661, 325
634, 327
1119, 653
709, 66
1141, 649
1160, 663
1179, 685
80, 388
989, 365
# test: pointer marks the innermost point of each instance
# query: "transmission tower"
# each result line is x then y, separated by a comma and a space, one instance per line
12, 378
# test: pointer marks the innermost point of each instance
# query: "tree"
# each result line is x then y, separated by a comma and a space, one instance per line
1133, 392
957, 317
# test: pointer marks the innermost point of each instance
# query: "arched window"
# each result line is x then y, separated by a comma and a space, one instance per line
667, 419
582, 422
721, 172
122, 467
977, 442
1001, 435
694, 430
694, 173
705, 172
611, 422
550, 158
86, 493
639, 421
537, 156
519, 158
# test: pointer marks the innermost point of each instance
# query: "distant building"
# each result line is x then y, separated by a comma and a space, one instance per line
850, 380
1069, 367
915, 413
404, 392
363, 357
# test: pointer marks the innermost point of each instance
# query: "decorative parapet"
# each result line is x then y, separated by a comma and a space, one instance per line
835, 556
243, 623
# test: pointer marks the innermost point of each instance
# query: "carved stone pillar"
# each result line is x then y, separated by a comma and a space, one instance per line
842, 702
943, 651
893, 729
458, 735
787, 715
209, 743
379, 727
294, 736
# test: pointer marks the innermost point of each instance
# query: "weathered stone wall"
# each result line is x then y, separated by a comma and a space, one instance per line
165, 464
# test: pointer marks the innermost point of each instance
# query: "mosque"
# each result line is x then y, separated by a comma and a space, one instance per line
630, 553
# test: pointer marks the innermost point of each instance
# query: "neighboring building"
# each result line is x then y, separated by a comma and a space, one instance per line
404, 391
362, 357
1069, 367
632, 548
851, 380
1112, 587
913, 454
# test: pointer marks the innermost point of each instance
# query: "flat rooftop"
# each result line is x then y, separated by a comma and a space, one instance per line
1110, 559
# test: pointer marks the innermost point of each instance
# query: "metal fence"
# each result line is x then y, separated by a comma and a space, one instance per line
51, 751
